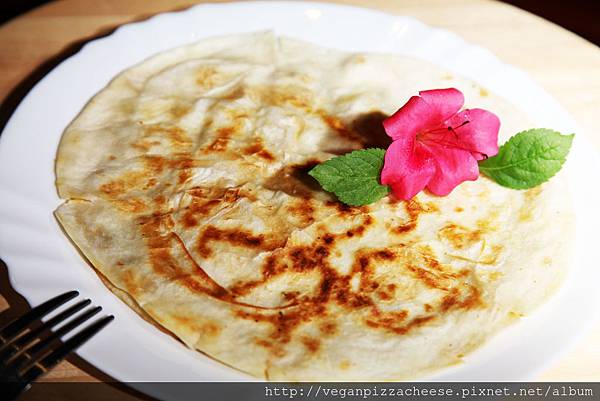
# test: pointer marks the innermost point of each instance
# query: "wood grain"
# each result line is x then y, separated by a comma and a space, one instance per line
567, 66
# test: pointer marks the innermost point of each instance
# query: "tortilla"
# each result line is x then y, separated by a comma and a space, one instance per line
185, 185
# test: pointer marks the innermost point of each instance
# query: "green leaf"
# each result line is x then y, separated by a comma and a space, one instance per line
528, 159
353, 177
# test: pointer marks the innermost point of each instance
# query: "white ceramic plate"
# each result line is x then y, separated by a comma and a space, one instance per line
42, 262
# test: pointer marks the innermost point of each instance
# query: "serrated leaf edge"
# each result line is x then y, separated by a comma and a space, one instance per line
360, 155
520, 184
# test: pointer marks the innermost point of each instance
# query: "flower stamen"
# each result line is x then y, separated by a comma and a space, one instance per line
445, 146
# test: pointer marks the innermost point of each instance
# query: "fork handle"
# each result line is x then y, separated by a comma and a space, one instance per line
11, 390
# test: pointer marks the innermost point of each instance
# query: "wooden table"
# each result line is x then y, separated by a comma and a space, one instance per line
564, 64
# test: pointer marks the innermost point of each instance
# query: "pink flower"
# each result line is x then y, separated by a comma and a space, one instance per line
435, 146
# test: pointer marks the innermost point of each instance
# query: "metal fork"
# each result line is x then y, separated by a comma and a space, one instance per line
28, 348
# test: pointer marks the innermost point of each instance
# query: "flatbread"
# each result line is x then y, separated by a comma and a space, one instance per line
185, 186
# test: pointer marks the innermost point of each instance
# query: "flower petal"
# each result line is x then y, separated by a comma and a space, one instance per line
444, 102
408, 167
453, 166
415, 116
480, 134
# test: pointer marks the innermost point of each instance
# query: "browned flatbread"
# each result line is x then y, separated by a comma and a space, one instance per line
185, 184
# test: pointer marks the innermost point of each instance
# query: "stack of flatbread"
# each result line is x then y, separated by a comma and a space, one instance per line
185, 185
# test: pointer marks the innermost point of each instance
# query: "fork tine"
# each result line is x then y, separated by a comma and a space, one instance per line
25, 339
40, 349
16, 326
48, 361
